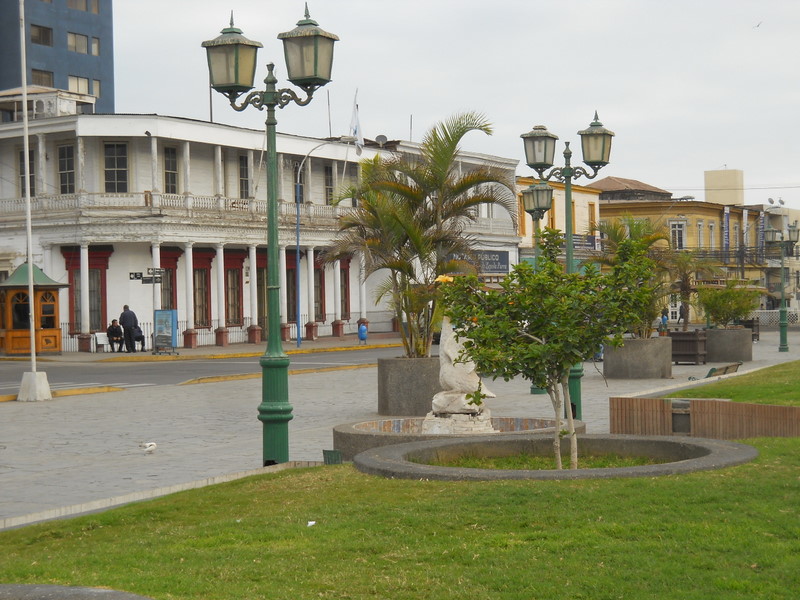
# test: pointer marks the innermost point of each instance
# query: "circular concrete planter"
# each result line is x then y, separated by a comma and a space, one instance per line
686, 455
729, 345
639, 359
406, 386
353, 438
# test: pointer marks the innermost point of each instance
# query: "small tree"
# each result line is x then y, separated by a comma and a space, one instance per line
728, 304
541, 323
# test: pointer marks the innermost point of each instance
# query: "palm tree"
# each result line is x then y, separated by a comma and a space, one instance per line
411, 220
649, 236
627, 227
683, 267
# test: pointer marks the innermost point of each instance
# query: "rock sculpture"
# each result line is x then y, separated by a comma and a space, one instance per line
456, 378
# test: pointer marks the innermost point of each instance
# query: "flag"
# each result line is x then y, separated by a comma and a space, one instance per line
355, 126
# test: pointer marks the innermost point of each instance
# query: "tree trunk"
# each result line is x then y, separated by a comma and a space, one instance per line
558, 405
573, 439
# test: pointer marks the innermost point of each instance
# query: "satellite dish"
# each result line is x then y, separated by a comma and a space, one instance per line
381, 139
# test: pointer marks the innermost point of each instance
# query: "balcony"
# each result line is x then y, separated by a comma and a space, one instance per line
178, 205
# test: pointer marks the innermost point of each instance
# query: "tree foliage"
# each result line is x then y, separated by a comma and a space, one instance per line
541, 323
652, 239
684, 267
727, 304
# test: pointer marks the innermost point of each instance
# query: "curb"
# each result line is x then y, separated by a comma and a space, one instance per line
96, 505
242, 376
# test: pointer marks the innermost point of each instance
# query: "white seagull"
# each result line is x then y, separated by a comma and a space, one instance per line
149, 447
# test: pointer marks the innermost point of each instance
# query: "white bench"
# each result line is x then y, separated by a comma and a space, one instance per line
101, 341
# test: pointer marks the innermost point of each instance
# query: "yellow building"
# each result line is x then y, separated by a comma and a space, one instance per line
729, 234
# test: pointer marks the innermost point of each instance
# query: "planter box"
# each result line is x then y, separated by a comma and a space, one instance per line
406, 386
729, 345
639, 359
689, 346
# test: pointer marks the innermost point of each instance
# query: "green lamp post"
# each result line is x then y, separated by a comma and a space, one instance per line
787, 243
537, 199
540, 147
308, 51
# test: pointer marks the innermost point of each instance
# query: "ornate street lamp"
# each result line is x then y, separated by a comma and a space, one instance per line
537, 200
787, 243
540, 147
231, 63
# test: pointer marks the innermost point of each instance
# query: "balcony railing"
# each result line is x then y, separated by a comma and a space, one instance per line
176, 202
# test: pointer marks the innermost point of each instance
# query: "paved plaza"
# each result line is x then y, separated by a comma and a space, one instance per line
82, 453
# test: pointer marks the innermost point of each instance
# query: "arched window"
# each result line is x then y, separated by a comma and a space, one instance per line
47, 311
20, 311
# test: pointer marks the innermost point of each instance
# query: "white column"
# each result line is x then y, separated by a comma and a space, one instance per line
84, 300
155, 250
310, 283
251, 181
47, 258
362, 287
187, 254
221, 286
281, 160
219, 187
153, 163
41, 166
80, 165
282, 261
186, 168
251, 255
337, 291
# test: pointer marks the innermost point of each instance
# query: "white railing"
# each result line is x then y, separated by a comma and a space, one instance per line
771, 318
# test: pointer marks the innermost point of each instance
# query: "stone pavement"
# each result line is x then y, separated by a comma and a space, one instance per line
81, 453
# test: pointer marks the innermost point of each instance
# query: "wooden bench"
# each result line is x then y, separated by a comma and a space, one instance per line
715, 371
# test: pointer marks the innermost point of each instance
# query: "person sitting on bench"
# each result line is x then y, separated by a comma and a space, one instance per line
114, 333
138, 336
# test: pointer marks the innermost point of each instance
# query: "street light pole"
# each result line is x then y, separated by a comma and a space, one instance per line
231, 59
786, 245
539, 154
344, 139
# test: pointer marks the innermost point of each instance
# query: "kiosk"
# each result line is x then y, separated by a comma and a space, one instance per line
15, 312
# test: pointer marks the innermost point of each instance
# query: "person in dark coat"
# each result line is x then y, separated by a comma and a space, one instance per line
138, 336
114, 333
128, 321
682, 313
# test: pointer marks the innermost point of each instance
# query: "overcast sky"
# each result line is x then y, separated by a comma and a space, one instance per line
686, 85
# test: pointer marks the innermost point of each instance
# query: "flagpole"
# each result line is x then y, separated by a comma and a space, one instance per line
34, 385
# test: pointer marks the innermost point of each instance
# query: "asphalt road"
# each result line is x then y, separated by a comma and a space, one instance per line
66, 375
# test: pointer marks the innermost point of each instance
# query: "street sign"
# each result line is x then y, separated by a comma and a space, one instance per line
154, 271
151, 280
137, 275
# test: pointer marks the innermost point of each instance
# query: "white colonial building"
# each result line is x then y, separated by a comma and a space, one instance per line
118, 199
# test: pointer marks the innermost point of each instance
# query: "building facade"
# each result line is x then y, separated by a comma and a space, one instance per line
729, 234
170, 213
69, 46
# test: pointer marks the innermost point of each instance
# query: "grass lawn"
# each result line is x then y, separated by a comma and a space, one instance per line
729, 534
773, 385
